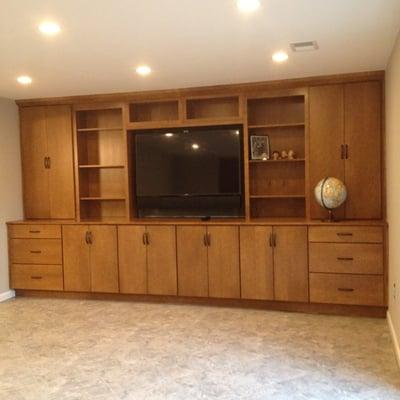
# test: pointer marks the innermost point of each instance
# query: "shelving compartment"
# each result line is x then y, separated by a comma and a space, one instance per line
213, 108
105, 119
278, 208
157, 111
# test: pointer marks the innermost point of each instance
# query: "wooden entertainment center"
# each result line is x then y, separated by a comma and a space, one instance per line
81, 236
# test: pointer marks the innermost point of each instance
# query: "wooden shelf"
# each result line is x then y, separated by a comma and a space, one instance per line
271, 126
98, 166
102, 198
278, 196
100, 129
296, 160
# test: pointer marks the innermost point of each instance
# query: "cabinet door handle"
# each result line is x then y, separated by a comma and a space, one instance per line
341, 289
271, 244
147, 238
36, 251
45, 162
36, 277
346, 153
48, 162
344, 234
274, 241
342, 151
87, 237
34, 231
90, 237
345, 258
208, 239
144, 239
205, 241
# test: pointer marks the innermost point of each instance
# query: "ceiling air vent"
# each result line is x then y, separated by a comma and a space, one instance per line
304, 46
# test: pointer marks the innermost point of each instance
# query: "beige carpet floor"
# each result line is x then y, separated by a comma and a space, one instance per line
72, 349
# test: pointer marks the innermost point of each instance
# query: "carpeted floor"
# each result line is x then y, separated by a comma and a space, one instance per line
72, 349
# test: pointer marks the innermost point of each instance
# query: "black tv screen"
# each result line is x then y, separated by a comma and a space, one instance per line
189, 172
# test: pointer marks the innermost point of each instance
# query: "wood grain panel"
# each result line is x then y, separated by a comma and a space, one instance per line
36, 277
104, 259
34, 150
363, 137
36, 251
346, 234
132, 255
346, 289
326, 136
76, 259
223, 262
161, 260
346, 258
256, 263
192, 261
291, 263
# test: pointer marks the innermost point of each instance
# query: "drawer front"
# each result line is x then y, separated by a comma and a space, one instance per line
36, 251
346, 258
35, 231
346, 289
36, 277
346, 234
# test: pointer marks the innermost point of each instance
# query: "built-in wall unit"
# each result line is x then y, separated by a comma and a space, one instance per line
206, 195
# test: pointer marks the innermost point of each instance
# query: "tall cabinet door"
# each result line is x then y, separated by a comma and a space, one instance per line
192, 261
256, 262
326, 140
291, 263
223, 261
34, 172
363, 139
76, 255
161, 260
132, 256
61, 168
103, 258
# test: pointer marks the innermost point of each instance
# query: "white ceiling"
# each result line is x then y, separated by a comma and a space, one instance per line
186, 42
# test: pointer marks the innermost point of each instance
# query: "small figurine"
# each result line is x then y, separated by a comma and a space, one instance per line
264, 156
276, 155
291, 155
284, 154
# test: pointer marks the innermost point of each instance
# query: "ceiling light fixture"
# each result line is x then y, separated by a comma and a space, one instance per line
248, 5
49, 28
143, 70
195, 146
24, 80
169, 134
280, 56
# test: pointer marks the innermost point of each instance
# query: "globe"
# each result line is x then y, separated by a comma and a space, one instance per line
330, 193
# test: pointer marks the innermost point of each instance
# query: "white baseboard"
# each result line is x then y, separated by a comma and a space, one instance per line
394, 337
7, 295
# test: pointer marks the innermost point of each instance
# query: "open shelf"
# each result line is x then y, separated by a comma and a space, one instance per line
99, 129
101, 119
290, 207
278, 196
99, 210
103, 198
286, 160
213, 108
274, 126
98, 166
156, 111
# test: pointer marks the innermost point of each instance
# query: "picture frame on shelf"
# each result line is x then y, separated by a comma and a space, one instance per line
259, 147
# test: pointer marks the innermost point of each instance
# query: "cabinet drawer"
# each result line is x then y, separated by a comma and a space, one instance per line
36, 277
346, 289
346, 258
35, 231
346, 234
36, 251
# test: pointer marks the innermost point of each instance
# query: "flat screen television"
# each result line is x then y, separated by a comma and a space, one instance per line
191, 172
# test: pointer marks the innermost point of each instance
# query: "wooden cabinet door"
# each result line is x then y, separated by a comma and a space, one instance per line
33, 152
132, 255
326, 140
61, 168
223, 261
290, 263
104, 259
363, 138
256, 262
192, 261
161, 260
76, 256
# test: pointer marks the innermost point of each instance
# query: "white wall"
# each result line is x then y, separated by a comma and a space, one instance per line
10, 180
393, 182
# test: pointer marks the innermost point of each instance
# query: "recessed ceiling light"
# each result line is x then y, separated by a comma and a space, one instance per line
280, 56
24, 80
143, 70
49, 28
195, 146
248, 5
169, 134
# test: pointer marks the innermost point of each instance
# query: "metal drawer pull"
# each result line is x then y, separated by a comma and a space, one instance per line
344, 234
205, 242
36, 277
36, 251
341, 289
345, 258
34, 231
144, 238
